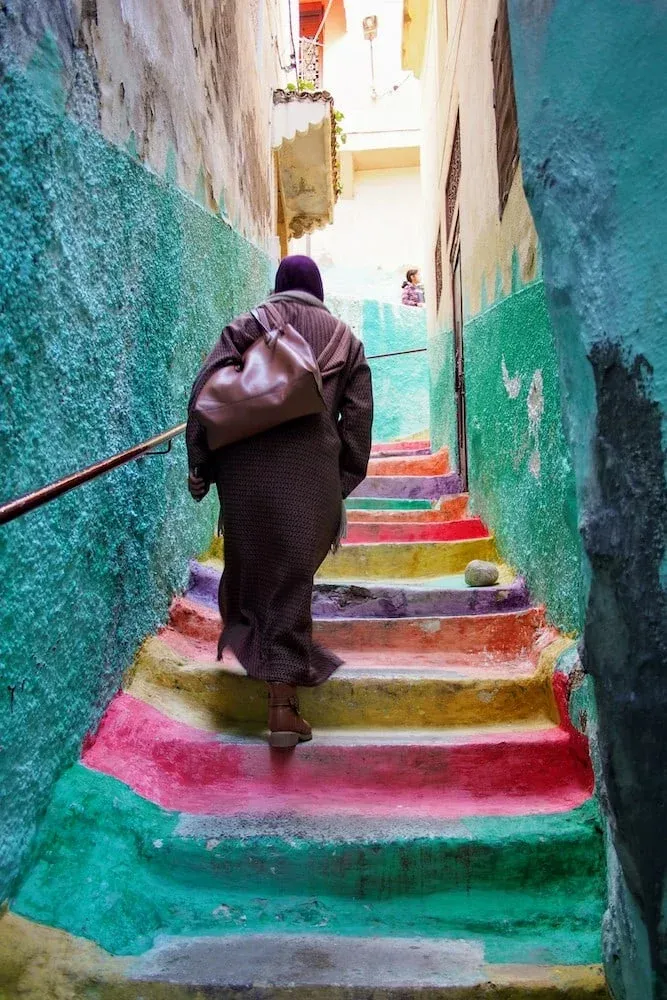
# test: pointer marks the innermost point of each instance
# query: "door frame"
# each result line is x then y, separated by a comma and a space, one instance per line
456, 285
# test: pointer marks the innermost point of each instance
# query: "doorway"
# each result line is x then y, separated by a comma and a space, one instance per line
459, 372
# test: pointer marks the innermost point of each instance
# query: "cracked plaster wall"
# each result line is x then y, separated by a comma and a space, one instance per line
186, 87
592, 120
114, 283
520, 471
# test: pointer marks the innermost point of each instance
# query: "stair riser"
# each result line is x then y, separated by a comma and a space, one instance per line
410, 465
187, 770
412, 560
416, 447
208, 697
405, 968
375, 601
449, 509
409, 487
379, 503
190, 875
511, 634
448, 531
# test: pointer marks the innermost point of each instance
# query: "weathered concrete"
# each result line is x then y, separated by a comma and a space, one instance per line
592, 120
510, 634
35, 959
410, 465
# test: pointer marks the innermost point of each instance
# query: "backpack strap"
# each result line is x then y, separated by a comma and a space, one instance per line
274, 314
337, 351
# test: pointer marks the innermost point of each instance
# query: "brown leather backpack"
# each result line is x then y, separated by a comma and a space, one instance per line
278, 380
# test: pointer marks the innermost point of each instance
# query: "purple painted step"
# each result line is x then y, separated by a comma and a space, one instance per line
334, 600
409, 487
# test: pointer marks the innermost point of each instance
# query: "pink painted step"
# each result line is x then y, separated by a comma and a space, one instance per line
446, 774
511, 633
388, 449
410, 465
389, 531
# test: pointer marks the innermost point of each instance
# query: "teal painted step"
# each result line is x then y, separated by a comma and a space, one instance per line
115, 868
378, 503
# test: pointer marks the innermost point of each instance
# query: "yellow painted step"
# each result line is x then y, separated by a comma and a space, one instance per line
208, 695
408, 560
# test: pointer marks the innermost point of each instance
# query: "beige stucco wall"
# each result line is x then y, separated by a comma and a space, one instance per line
189, 88
454, 78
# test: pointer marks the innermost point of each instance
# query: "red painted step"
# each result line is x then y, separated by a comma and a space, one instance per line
410, 465
436, 774
447, 531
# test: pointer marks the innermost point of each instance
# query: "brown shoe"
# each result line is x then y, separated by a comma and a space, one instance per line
286, 727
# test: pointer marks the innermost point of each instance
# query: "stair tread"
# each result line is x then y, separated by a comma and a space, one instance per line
377, 963
239, 961
380, 663
447, 581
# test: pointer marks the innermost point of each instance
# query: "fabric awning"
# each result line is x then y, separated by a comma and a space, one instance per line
304, 140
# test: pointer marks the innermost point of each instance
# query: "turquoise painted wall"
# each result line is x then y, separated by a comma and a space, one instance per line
400, 384
441, 392
520, 472
592, 123
113, 284
521, 477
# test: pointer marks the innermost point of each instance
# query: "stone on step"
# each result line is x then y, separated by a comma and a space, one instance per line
378, 693
409, 487
479, 573
431, 775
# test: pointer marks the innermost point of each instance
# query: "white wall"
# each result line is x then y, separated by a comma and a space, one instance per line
377, 230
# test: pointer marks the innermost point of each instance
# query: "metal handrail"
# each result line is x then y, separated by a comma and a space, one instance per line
30, 501
23, 505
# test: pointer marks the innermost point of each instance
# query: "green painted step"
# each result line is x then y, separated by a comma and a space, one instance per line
119, 870
378, 503
37, 962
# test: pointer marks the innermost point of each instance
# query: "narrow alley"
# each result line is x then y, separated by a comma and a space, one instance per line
481, 810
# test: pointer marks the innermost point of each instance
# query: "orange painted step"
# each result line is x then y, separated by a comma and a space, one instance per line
512, 633
411, 465
447, 509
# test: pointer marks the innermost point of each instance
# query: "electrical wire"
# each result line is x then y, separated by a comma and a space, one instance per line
291, 35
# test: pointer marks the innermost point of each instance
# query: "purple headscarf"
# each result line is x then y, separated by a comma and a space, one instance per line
300, 273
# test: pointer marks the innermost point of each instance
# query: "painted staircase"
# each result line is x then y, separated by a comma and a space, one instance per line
437, 839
